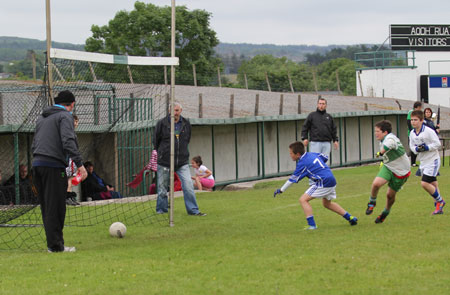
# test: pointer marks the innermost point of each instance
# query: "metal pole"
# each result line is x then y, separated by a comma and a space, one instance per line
172, 119
16, 168
278, 148
236, 152
262, 151
213, 151
359, 138
49, 45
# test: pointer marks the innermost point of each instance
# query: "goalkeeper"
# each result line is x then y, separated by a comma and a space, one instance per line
312, 166
395, 168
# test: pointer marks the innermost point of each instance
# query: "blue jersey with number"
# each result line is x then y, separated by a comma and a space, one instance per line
312, 165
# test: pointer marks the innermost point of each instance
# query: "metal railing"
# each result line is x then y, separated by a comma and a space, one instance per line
385, 59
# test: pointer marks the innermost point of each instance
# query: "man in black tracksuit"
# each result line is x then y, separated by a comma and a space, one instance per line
161, 143
53, 144
321, 129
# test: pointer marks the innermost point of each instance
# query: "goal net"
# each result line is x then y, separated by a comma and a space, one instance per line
118, 102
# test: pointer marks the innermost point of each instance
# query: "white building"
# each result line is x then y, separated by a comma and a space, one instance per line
417, 68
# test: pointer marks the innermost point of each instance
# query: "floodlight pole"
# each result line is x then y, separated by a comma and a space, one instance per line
172, 118
49, 45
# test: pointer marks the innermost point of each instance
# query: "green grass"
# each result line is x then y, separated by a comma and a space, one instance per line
251, 243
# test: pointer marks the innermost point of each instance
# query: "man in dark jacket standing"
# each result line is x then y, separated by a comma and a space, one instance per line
161, 142
321, 129
53, 144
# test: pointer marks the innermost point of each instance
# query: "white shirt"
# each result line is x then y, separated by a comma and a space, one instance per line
200, 171
426, 136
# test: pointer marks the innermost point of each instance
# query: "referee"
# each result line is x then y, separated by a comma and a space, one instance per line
53, 144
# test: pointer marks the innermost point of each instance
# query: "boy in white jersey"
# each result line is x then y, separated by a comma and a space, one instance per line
425, 142
394, 171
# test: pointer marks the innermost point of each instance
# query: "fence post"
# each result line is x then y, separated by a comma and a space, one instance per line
132, 108
130, 74
290, 82
299, 111
338, 82
200, 105
315, 80
33, 61
268, 84
281, 104
165, 75
218, 77
167, 103
245, 80
195, 75
257, 105
231, 105
73, 69
92, 71
360, 85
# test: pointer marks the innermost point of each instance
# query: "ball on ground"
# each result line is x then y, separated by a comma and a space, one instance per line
118, 230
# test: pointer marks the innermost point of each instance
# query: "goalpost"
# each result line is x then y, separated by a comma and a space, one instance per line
119, 99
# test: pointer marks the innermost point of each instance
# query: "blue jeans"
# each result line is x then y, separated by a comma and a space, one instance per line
323, 147
162, 203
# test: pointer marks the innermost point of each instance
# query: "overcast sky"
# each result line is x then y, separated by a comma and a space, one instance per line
282, 22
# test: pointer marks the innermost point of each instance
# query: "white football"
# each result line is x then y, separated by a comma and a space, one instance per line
118, 230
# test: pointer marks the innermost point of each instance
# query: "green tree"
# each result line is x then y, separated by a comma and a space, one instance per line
146, 31
346, 71
25, 67
277, 70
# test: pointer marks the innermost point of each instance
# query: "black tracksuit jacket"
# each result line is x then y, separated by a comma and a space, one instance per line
320, 126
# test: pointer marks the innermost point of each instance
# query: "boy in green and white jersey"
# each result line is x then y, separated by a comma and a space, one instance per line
394, 170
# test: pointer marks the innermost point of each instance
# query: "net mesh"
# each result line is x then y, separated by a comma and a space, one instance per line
117, 106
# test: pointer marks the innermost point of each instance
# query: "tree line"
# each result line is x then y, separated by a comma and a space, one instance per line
145, 31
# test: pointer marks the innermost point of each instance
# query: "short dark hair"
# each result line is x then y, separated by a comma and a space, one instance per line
75, 117
321, 98
417, 104
198, 160
418, 114
88, 164
384, 125
297, 147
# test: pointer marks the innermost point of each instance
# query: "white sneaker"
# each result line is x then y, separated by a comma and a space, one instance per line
66, 249
310, 227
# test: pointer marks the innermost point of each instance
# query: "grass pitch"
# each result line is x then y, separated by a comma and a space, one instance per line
251, 243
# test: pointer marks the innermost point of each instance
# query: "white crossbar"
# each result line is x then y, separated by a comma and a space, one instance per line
113, 59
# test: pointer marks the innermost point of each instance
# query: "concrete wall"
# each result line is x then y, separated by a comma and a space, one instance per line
261, 149
272, 138
396, 83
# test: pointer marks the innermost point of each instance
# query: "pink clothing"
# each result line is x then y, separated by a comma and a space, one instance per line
207, 183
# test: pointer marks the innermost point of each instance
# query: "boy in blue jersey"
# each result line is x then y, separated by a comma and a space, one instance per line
312, 166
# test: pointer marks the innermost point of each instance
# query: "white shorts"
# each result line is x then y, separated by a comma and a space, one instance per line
431, 169
328, 193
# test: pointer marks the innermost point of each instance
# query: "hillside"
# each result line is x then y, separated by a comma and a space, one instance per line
15, 48
292, 52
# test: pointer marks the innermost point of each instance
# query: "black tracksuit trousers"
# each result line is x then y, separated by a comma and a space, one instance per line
51, 184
